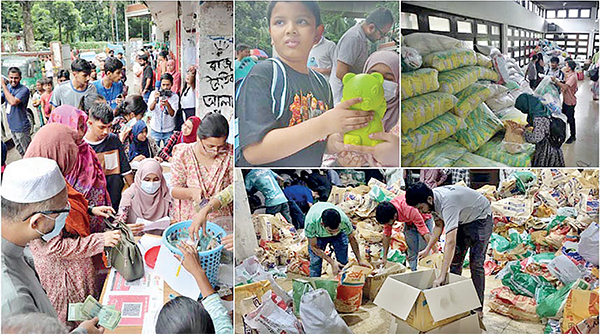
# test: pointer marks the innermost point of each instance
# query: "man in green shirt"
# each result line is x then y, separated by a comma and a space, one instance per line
326, 224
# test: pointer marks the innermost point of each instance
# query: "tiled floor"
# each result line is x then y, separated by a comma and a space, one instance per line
584, 151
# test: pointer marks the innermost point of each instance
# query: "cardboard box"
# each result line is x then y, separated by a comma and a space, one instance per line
467, 325
410, 298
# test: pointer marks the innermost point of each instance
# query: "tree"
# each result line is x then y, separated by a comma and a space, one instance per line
28, 25
11, 16
66, 16
251, 26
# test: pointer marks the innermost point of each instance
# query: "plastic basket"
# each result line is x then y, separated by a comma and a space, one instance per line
209, 260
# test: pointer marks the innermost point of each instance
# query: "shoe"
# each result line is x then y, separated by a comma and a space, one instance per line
570, 140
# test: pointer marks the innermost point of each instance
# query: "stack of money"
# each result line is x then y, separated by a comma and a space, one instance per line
108, 316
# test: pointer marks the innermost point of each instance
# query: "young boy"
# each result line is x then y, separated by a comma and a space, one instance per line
72, 92
568, 87
36, 99
417, 227
111, 86
554, 70
110, 151
282, 104
46, 98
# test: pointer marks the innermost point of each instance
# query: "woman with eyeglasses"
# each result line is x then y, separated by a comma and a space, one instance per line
202, 169
69, 263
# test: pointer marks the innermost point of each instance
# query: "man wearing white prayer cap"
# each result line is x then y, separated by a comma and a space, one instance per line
34, 205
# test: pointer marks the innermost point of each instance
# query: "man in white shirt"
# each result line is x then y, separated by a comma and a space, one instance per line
322, 56
163, 104
466, 216
49, 68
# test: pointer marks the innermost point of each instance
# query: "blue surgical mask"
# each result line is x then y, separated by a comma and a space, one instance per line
59, 224
150, 187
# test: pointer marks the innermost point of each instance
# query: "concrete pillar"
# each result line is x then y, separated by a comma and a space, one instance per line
245, 235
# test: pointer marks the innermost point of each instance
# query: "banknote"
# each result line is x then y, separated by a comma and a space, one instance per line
91, 307
109, 318
75, 313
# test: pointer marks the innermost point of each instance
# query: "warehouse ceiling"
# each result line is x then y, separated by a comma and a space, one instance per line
566, 4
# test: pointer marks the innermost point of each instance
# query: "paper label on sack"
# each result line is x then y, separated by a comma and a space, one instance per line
160, 224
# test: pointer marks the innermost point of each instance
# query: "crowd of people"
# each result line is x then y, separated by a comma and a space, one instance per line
77, 171
290, 105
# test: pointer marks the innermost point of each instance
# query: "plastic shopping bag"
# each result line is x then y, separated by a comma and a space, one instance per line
318, 314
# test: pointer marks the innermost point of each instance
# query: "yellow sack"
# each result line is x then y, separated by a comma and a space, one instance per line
580, 305
431, 133
450, 59
419, 110
443, 154
419, 82
512, 114
518, 207
484, 61
456, 80
473, 160
487, 74
482, 125
470, 98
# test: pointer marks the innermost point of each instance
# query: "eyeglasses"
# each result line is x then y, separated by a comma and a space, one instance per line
50, 212
218, 150
386, 34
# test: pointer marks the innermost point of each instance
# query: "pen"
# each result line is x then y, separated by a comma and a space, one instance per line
179, 268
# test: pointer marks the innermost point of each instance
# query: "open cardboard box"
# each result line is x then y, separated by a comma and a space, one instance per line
410, 298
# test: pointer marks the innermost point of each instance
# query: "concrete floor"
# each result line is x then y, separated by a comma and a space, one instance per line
584, 151
370, 319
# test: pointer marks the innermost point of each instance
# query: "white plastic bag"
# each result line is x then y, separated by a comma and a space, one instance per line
588, 244
270, 318
564, 269
318, 314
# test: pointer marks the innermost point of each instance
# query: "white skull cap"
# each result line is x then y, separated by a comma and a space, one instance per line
32, 180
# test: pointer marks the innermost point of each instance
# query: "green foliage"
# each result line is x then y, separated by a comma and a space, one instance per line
74, 22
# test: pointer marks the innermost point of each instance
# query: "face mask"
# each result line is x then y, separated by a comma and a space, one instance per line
150, 187
59, 224
390, 90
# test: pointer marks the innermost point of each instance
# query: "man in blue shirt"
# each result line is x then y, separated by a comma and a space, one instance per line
300, 194
111, 86
16, 97
265, 181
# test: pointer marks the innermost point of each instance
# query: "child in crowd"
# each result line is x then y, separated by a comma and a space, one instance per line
45, 98
142, 146
289, 122
36, 99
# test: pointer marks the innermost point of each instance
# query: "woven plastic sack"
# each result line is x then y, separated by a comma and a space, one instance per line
482, 125
419, 110
302, 286
499, 63
473, 160
553, 304
500, 102
450, 59
484, 73
484, 61
442, 154
513, 142
513, 306
419, 82
497, 90
580, 305
431, 133
493, 150
470, 98
588, 245
512, 114
546, 87
318, 314
411, 59
427, 43
456, 80
524, 284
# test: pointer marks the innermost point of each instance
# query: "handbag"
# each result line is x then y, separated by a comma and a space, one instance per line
126, 256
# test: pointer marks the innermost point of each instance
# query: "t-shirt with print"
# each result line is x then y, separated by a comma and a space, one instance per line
353, 50
457, 205
17, 115
307, 96
314, 227
110, 94
66, 94
265, 181
114, 164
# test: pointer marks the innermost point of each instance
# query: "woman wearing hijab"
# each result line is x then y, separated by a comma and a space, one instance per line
87, 175
148, 198
186, 135
386, 63
70, 264
142, 146
538, 132
176, 76
202, 169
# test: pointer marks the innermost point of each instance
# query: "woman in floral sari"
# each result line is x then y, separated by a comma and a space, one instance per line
202, 169
87, 176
